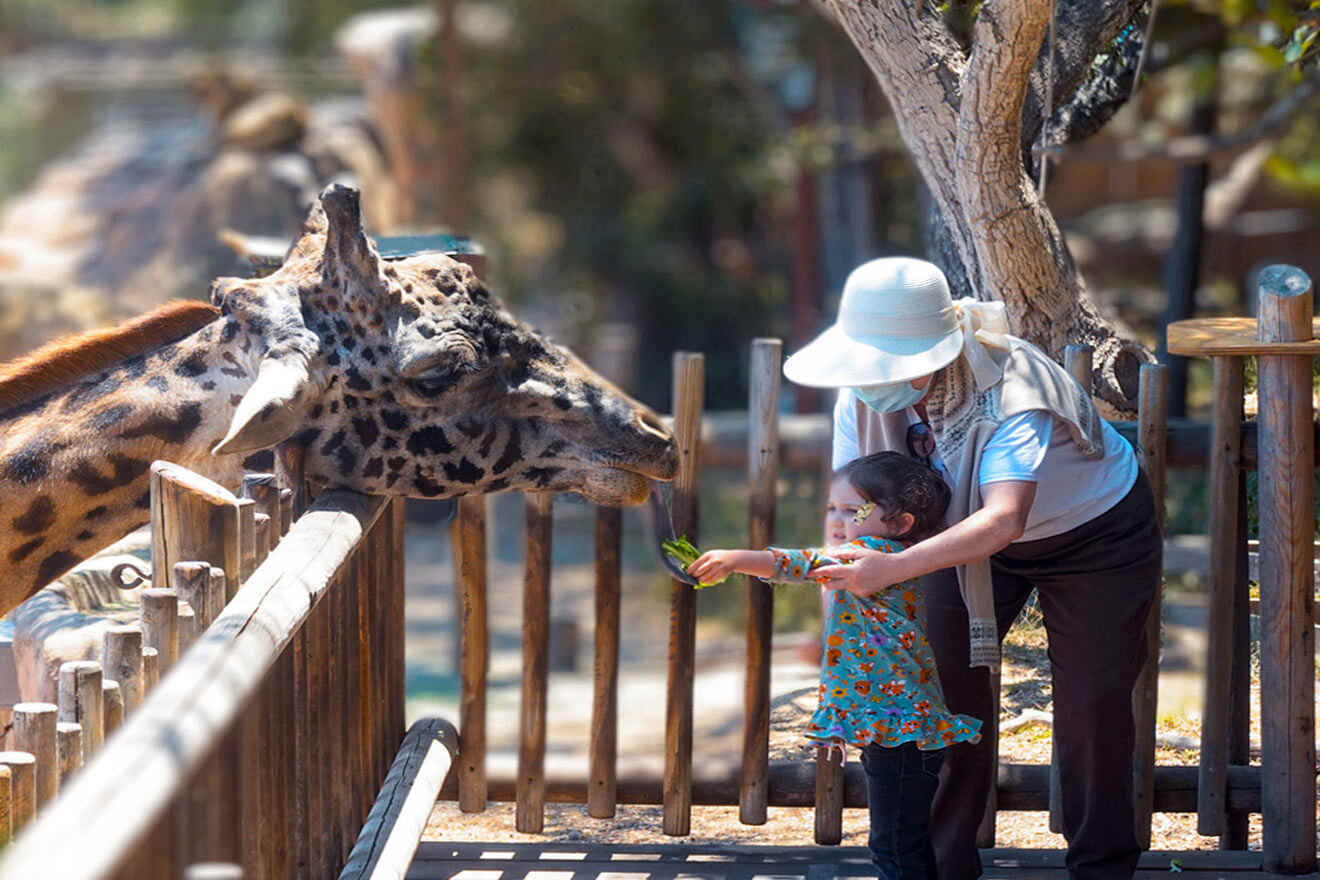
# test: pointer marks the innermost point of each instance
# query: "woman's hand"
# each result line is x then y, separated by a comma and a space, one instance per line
867, 572
716, 565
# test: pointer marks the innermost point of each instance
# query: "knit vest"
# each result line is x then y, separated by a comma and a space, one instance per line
963, 418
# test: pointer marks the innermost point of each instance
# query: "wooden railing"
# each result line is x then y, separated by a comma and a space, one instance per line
265, 743
753, 782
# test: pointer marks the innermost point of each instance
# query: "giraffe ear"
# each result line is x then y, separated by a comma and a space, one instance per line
274, 407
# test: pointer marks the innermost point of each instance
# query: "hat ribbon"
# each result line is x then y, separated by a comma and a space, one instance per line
984, 326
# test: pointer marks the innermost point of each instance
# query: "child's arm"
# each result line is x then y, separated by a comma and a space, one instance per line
716, 565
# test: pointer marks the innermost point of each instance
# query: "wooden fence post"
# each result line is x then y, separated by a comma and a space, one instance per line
1225, 466
1287, 575
1236, 826
150, 669
69, 749
262, 534
217, 592
1152, 450
689, 400
123, 662
112, 706
34, 733
530, 814
190, 627
191, 584
264, 489
160, 625
474, 661
23, 787
192, 519
247, 546
6, 805
762, 475
602, 793
80, 695
1077, 360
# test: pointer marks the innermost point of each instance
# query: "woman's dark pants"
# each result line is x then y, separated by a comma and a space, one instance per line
900, 784
1096, 584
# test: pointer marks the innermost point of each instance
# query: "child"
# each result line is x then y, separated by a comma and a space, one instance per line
879, 690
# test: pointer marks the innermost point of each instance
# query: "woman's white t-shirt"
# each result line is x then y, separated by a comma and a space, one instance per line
1070, 488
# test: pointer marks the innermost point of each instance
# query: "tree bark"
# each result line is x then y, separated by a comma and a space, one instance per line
961, 117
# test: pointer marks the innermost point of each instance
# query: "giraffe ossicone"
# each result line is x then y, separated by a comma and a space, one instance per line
400, 378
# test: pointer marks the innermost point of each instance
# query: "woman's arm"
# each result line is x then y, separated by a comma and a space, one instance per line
1000, 521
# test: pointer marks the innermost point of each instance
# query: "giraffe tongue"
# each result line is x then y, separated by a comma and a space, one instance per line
663, 526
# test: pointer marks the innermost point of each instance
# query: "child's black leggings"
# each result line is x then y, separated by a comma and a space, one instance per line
900, 785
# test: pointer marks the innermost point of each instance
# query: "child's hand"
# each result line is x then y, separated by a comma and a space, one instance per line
714, 565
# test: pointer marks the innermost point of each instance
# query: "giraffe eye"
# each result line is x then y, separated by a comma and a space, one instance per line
429, 386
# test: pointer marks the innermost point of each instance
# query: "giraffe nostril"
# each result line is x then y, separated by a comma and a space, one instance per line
651, 422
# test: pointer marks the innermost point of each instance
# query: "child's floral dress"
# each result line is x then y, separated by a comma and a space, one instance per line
878, 682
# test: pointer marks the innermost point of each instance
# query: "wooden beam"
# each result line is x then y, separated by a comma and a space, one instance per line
385, 847
94, 825
793, 784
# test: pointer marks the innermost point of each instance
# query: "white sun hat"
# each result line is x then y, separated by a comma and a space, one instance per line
896, 322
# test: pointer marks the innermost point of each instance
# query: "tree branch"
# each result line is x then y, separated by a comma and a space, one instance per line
1013, 232
1198, 148
1022, 255
1083, 27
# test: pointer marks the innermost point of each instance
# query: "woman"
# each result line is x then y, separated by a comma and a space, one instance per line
1046, 495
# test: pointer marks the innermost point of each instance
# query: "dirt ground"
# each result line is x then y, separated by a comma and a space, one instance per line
718, 696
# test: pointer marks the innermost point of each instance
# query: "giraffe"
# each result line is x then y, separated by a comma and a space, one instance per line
403, 378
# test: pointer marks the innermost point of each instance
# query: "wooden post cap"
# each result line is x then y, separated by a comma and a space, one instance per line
1285, 295
1286, 306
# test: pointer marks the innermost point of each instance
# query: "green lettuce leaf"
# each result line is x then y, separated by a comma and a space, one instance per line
681, 551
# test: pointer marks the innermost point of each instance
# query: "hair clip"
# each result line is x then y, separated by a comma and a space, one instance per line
863, 512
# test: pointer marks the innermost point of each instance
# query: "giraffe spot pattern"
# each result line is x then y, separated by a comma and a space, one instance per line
123, 470
110, 416
38, 517
23, 551
426, 486
463, 472
367, 431
430, 440
53, 566
31, 463
175, 428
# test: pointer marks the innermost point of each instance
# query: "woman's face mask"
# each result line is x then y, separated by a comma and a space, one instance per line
890, 397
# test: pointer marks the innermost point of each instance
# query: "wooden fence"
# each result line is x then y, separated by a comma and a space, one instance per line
277, 714
278, 710
754, 782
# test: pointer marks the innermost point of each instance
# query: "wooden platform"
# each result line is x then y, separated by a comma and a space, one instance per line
437, 860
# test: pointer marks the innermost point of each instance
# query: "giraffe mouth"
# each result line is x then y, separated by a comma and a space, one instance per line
611, 486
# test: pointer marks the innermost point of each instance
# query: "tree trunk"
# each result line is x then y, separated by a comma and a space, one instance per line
961, 116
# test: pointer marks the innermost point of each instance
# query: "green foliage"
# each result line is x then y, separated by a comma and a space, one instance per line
637, 138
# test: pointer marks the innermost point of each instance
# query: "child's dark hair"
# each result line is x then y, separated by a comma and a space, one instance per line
896, 484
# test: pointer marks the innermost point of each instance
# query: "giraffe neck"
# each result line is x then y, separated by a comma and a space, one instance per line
74, 464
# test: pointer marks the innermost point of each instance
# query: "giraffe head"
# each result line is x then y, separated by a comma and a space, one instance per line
410, 378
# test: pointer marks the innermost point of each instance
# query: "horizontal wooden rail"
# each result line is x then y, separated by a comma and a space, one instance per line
385, 847
793, 784
96, 824
805, 441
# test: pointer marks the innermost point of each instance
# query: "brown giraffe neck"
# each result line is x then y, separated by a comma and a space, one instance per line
74, 464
